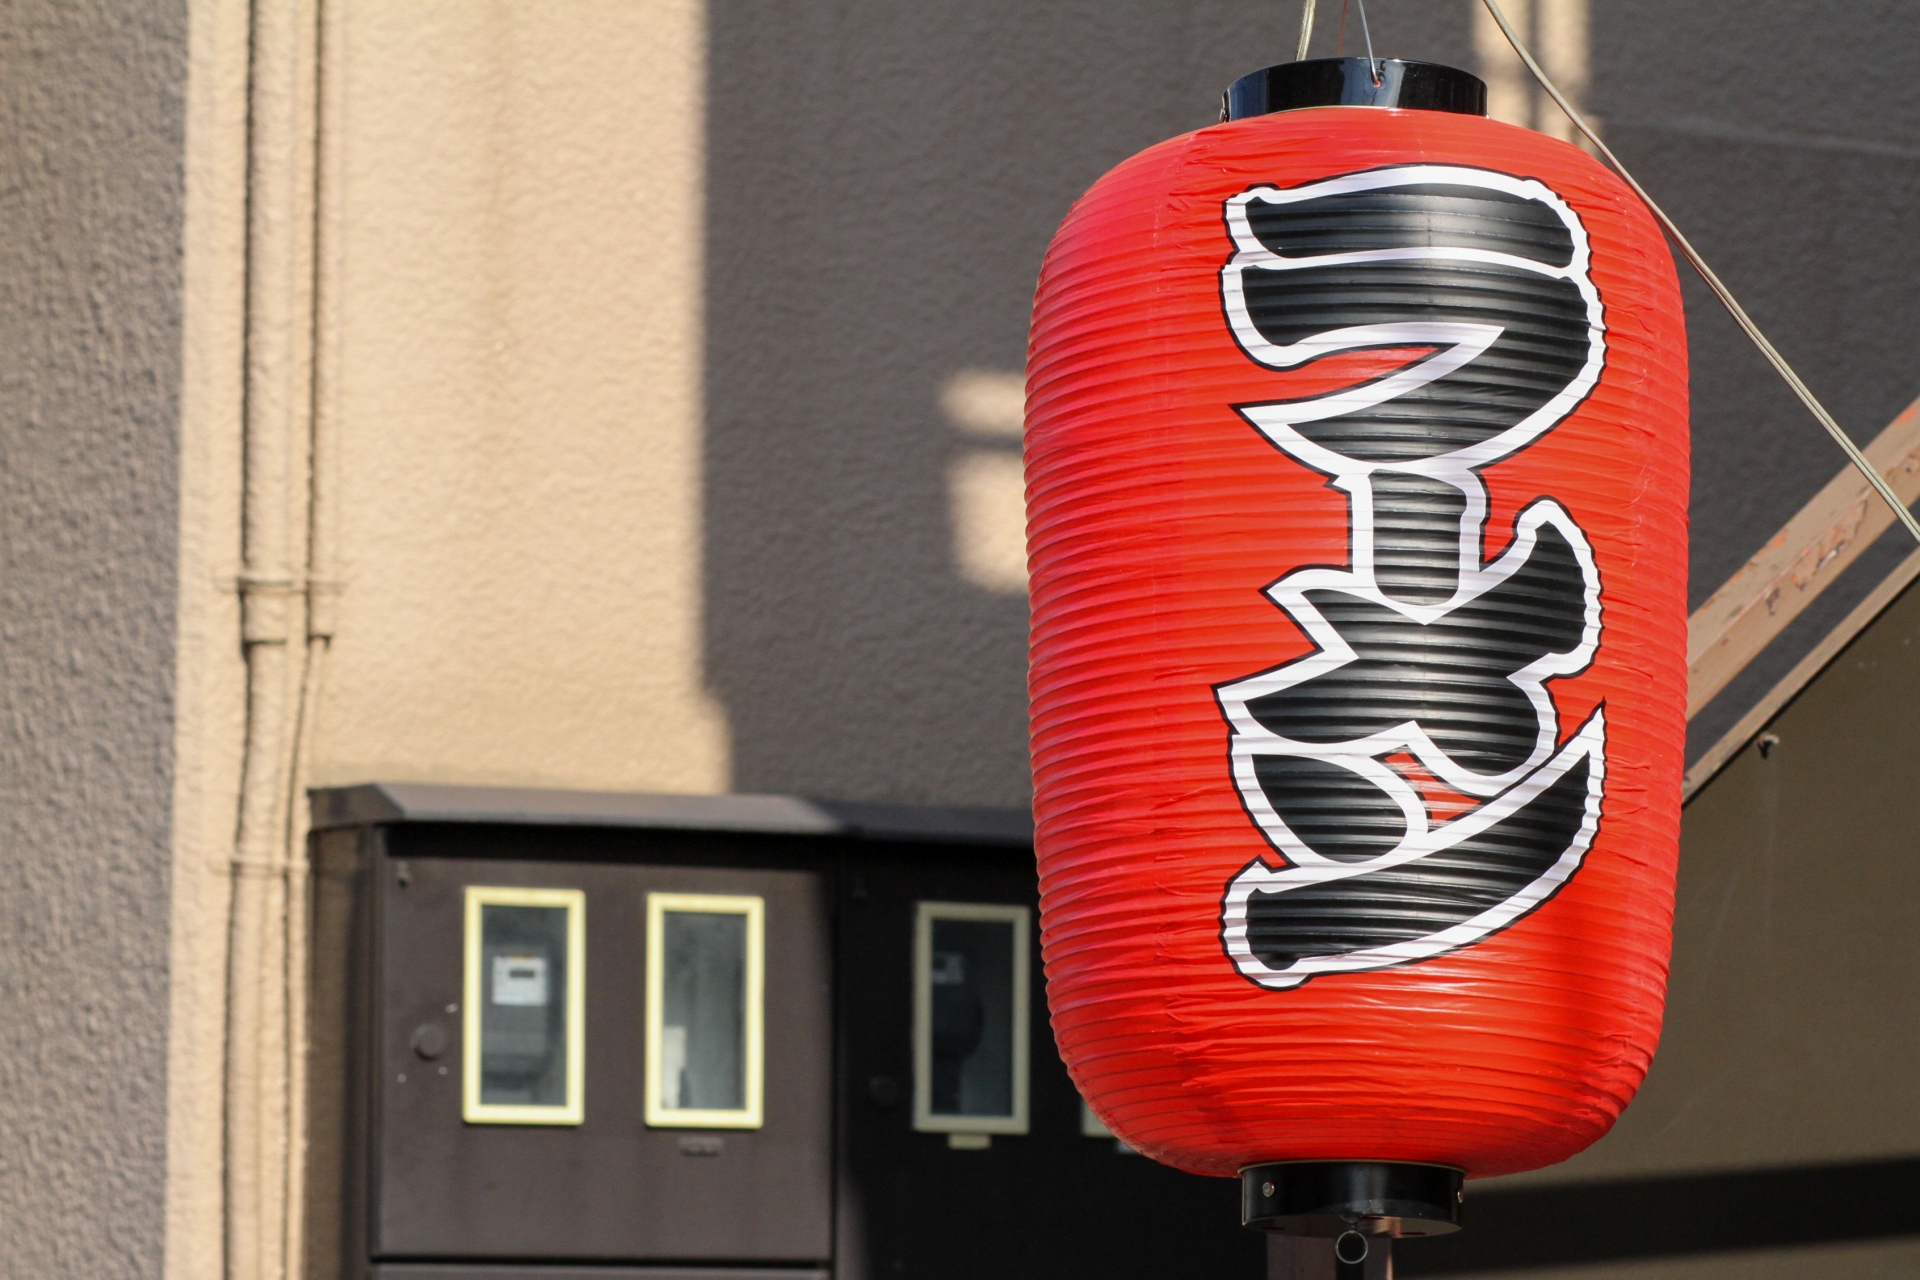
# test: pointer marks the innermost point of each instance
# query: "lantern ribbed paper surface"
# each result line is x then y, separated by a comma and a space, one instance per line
1357, 478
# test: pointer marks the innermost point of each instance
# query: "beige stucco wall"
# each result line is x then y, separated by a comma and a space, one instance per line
510, 359
507, 337
210, 675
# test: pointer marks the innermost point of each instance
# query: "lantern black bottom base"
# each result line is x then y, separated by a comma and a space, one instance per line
1332, 1197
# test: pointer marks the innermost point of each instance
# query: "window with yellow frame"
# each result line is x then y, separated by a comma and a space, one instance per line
706, 1038
524, 1002
970, 1020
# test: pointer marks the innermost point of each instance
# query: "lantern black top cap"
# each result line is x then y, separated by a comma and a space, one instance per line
1355, 82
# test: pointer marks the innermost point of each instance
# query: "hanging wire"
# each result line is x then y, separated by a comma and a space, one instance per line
1306, 31
1373, 68
1340, 42
1720, 291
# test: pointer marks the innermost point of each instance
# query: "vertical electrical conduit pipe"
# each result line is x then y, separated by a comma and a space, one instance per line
262, 1112
322, 592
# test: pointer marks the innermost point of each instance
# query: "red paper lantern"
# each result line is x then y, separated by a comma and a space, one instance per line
1357, 480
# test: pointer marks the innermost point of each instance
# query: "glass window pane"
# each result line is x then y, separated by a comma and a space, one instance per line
705, 981
970, 980
703, 1041
523, 1006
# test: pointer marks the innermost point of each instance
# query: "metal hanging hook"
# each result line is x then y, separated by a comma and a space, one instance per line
1373, 67
1306, 31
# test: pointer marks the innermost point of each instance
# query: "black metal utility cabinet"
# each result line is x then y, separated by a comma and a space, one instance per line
883, 1101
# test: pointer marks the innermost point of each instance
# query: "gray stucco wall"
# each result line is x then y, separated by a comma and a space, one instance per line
91, 138
884, 179
882, 182
1785, 139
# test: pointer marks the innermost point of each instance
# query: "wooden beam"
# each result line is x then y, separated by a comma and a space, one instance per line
1797, 679
1798, 563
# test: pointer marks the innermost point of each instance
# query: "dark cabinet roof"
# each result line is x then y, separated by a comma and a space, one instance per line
388, 802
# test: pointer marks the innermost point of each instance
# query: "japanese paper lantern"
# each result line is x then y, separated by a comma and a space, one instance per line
1357, 475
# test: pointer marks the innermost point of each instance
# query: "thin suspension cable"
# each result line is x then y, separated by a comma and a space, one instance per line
1306, 30
1720, 290
1372, 69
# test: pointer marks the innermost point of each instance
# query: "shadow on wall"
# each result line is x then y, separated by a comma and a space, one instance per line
882, 182
1800, 183
1675, 1217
